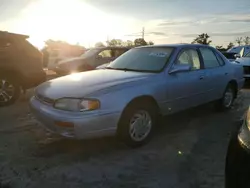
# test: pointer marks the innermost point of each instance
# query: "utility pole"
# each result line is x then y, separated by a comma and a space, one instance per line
143, 31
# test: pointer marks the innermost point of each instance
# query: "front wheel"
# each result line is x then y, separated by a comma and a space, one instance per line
9, 90
226, 102
137, 124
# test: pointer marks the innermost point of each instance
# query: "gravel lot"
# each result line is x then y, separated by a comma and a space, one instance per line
188, 151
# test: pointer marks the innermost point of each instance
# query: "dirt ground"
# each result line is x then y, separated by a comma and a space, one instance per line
188, 151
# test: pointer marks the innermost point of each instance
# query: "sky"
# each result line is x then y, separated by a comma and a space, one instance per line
89, 21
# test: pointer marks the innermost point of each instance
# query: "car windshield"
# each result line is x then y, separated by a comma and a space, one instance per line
149, 59
90, 52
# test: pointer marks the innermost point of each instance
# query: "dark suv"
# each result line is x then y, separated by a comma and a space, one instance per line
20, 66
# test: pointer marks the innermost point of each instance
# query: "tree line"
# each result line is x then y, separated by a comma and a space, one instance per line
204, 38
129, 43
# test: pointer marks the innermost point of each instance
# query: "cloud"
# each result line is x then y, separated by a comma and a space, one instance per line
246, 20
174, 23
219, 34
236, 18
157, 33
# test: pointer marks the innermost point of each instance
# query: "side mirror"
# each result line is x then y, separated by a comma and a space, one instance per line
237, 56
180, 68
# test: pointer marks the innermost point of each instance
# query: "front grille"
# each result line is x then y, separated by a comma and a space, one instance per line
44, 99
246, 69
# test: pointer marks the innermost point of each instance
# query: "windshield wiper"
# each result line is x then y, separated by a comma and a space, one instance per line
110, 68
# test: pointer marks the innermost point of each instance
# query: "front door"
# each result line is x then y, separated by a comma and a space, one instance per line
186, 89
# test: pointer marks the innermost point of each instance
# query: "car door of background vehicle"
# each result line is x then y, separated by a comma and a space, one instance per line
186, 89
217, 75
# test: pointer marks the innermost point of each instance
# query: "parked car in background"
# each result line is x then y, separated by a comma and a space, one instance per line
128, 95
242, 50
237, 172
54, 57
89, 60
245, 62
20, 66
102, 66
231, 56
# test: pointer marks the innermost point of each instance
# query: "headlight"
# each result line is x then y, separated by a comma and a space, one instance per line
76, 105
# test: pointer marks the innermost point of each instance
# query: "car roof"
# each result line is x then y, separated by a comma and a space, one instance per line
176, 45
5, 34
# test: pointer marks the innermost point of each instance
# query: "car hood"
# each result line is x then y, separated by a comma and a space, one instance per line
244, 61
82, 84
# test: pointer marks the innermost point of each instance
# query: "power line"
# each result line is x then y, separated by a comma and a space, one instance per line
143, 32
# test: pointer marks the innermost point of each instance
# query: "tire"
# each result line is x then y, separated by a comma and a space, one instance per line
227, 100
134, 113
10, 90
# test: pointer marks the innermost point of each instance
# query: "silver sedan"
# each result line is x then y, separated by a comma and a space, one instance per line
128, 95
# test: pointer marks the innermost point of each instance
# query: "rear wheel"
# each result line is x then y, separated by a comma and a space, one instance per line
226, 102
137, 124
9, 90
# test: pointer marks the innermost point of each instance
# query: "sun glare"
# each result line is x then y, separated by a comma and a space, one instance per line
75, 76
71, 20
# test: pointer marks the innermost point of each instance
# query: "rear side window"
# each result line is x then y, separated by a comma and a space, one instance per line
209, 58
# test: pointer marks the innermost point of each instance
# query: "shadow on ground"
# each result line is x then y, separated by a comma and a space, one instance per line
167, 126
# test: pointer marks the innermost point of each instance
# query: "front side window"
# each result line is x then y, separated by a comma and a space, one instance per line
90, 53
149, 59
189, 57
209, 58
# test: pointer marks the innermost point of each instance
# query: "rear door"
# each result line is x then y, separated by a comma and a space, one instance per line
217, 75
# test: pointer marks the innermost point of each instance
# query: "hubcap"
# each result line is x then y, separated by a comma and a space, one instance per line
7, 91
140, 125
228, 98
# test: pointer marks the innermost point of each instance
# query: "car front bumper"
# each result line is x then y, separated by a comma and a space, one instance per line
85, 124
